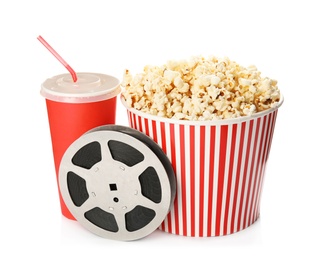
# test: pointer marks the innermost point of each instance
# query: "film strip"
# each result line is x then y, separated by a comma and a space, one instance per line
117, 182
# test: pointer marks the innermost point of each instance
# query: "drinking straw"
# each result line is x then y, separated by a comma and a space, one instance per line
63, 62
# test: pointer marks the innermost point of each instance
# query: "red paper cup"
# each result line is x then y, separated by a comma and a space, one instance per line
75, 108
219, 166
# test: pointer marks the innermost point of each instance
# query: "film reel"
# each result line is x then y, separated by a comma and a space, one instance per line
117, 182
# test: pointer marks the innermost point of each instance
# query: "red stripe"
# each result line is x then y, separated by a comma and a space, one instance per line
154, 131
154, 136
242, 134
192, 180
211, 179
163, 225
262, 166
140, 125
245, 171
272, 133
251, 173
130, 119
221, 169
134, 121
259, 165
183, 180
253, 198
146, 126
270, 137
163, 135
172, 144
228, 190
201, 179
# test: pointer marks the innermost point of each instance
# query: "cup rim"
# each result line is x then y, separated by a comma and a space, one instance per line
201, 122
109, 88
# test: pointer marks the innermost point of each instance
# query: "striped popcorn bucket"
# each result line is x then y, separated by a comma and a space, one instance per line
219, 167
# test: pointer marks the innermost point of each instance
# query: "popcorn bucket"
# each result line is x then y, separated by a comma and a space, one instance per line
219, 166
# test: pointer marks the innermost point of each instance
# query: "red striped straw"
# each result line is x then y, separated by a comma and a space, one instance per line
63, 62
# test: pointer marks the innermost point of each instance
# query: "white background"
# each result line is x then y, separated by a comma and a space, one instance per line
284, 39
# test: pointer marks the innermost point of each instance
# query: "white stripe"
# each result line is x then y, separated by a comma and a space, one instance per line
255, 173
250, 159
197, 180
128, 115
215, 179
131, 123
158, 133
261, 166
168, 153
136, 122
271, 132
167, 140
150, 128
269, 141
226, 175
246, 138
237, 213
187, 177
206, 178
178, 156
143, 125
234, 175
159, 142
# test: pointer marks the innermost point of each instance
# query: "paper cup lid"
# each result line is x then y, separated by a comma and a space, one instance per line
89, 87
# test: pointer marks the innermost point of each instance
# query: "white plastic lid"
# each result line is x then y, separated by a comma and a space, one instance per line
89, 87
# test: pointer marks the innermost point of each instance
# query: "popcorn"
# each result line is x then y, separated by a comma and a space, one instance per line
200, 89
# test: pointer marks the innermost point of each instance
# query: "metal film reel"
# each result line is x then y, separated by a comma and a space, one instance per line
117, 182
